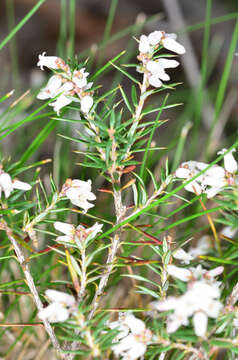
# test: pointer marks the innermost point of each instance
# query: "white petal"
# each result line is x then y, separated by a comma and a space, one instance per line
168, 304
213, 191
65, 239
155, 37
60, 297
6, 184
182, 173
65, 228
136, 326
155, 81
200, 323
230, 163
60, 102
86, 103
173, 323
194, 187
20, 185
54, 312
179, 273
166, 63
144, 45
173, 45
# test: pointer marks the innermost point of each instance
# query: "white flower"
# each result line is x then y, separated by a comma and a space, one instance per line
70, 231
80, 78
60, 308
210, 183
86, 103
230, 163
199, 301
157, 72
48, 61
51, 89
133, 337
60, 102
7, 184
79, 192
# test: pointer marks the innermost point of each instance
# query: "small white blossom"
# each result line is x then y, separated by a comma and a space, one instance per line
7, 185
52, 88
155, 37
61, 307
71, 232
80, 78
230, 163
200, 301
49, 61
157, 70
210, 183
132, 339
79, 192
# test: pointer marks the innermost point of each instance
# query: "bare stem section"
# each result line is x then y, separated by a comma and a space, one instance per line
32, 287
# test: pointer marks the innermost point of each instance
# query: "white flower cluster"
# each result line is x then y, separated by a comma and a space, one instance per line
62, 305
79, 192
155, 69
199, 302
213, 180
133, 337
66, 84
80, 232
7, 185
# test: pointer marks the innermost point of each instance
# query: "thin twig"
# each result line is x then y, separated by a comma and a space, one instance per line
32, 287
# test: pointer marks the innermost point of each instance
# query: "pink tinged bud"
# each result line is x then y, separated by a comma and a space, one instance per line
215, 272
179, 273
155, 37
200, 323
48, 61
65, 228
54, 313
230, 163
20, 185
60, 297
6, 184
173, 45
166, 63
86, 103
144, 45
